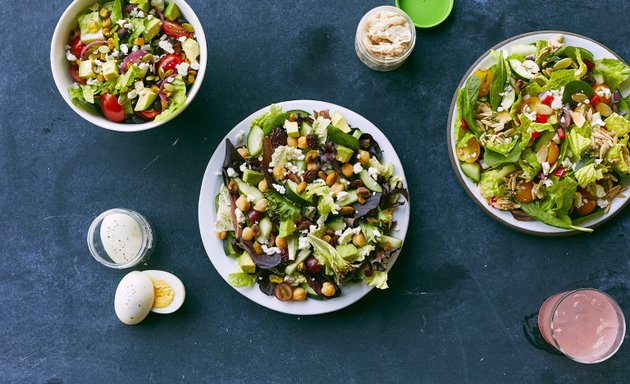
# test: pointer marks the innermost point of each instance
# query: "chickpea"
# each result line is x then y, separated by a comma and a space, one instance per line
281, 242
312, 166
248, 234
299, 294
262, 186
279, 173
358, 239
336, 188
261, 205
221, 235
242, 203
302, 142
363, 157
243, 152
311, 156
328, 289
347, 169
292, 141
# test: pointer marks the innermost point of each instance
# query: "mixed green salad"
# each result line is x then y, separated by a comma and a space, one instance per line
132, 60
544, 132
307, 205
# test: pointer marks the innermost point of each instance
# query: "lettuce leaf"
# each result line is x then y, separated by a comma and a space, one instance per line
282, 207
320, 128
325, 203
559, 79
618, 124
620, 158
327, 255
536, 211
378, 279
386, 170
467, 102
578, 143
560, 194
224, 213
177, 100
528, 127
497, 85
588, 174
529, 164
116, 13
615, 72
241, 280
501, 148
492, 181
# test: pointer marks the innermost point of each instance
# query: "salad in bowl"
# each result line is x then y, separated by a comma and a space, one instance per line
306, 206
543, 132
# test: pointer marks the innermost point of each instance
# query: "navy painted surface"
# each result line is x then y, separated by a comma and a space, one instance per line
460, 289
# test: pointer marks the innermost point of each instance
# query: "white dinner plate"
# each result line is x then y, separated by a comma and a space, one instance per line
226, 265
485, 61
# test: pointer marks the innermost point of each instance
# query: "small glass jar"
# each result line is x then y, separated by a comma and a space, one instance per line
374, 61
120, 238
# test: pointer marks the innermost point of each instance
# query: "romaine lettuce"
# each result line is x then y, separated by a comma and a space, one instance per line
617, 124
327, 255
378, 279
615, 72
224, 213
326, 203
588, 174
177, 100
492, 182
578, 143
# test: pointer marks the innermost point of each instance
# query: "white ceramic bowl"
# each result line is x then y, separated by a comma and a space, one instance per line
61, 68
226, 265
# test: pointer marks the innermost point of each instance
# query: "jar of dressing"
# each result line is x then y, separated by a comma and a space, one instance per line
120, 238
385, 38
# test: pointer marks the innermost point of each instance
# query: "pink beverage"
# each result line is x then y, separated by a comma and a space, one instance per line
586, 325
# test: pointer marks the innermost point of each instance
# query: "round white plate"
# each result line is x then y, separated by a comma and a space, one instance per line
226, 265
485, 61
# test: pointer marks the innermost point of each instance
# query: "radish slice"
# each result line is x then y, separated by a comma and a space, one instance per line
92, 44
131, 59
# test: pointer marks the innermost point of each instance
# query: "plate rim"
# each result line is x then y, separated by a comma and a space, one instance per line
454, 163
209, 173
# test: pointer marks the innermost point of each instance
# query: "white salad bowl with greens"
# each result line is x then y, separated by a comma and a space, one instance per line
539, 140
245, 275
61, 66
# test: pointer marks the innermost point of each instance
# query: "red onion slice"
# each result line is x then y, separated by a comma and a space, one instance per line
161, 93
160, 14
89, 46
132, 58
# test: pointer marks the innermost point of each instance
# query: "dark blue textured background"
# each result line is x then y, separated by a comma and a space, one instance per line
459, 291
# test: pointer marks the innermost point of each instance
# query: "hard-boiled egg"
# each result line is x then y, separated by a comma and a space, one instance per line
134, 297
169, 291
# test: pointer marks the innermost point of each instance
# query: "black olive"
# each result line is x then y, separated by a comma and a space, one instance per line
564, 118
123, 33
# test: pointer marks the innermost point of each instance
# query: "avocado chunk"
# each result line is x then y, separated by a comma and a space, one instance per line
344, 154
338, 121
357, 133
347, 251
252, 177
151, 28
172, 12
146, 99
86, 69
292, 128
191, 49
246, 263
110, 70
142, 4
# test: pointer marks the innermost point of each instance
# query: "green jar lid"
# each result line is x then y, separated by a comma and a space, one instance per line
426, 13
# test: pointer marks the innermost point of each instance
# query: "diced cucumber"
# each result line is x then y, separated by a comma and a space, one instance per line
291, 194
249, 190
311, 292
509, 95
306, 129
357, 133
336, 224
348, 199
227, 245
266, 226
519, 69
472, 170
369, 182
392, 241
255, 141
301, 256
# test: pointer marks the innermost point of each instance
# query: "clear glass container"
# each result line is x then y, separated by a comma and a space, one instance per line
376, 62
120, 238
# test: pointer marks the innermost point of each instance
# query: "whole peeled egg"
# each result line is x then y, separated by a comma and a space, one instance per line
134, 297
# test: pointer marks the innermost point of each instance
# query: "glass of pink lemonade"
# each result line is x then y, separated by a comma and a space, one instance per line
586, 325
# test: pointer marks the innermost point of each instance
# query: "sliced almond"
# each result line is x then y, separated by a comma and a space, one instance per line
543, 109
578, 119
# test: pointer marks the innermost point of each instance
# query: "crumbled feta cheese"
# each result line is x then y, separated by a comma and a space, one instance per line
240, 137
527, 111
128, 26
548, 182
346, 236
342, 195
599, 122
600, 191
376, 233
374, 172
270, 250
134, 12
598, 161
132, 94
121, 22
75, 85
557, 102
602, 203
138, 86
70, 56
194, 66
135, 48
243, 167
303, 243
499, 109
140, 14
567, 163
240, 216
357, 168
182, 68
251, 198
182, 38
545, 167
124, 48
284, 154
231, 172
166, 46
318, 181
281, 190
146, 47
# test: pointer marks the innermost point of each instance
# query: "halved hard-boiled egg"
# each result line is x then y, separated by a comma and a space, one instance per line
169, 291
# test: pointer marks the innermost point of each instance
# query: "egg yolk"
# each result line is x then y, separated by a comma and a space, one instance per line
164, 294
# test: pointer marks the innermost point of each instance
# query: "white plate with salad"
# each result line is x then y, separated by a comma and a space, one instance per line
304, 208
538, 133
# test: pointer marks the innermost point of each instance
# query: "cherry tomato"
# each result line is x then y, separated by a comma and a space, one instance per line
74, 71
76, 47
604, 93
283, 292
149, 114
524, 193
169, 62
535, 135
588, 205
485, 75
174, 30
112, 110
470, 152
553, 152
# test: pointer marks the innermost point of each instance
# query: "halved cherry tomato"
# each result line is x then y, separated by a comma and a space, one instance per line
112, 110
540, 118
169, 62
76, 47
588, 203
485, 75
553, 152
283, 292
174, 30
464, 125
74, 71
548, 100
149, 114
524, 193
603, 92
469, 152
595, 99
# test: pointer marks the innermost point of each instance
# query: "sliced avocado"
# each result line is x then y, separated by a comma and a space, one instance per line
306, 129
286, 228
369, 182
172, 12
266, 226
142, 4
347, 251
151, 28
344, 154
349, 198
472, 170
86, 69
299, 198
338, 121
146, 99
110, 70
249, 190
292, 128
246, 263
252, 177
392, 241
191, 49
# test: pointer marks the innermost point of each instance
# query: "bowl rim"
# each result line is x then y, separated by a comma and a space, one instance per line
454, 162
98, 120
